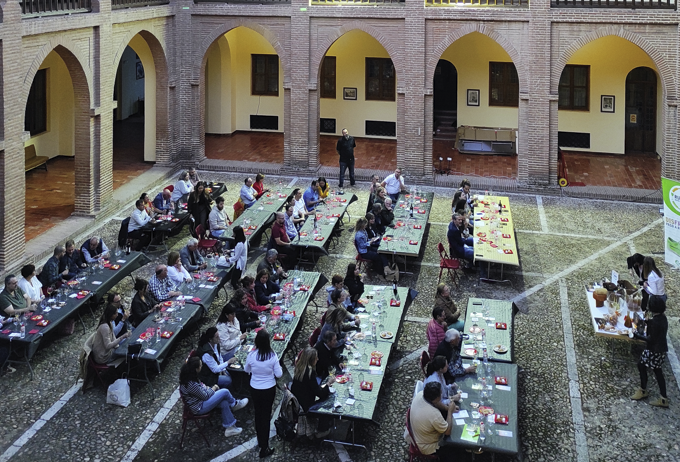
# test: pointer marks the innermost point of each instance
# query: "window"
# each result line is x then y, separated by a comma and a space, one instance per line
574, 88
379, 79
265, 75
503, 85
35, 119
328, 77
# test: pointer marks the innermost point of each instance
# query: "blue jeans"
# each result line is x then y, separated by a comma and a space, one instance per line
223, 399
223, 381
343, 167
217, 232
469, 252
228, 354
394, 197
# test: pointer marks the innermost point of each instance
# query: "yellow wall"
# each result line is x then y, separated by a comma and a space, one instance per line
351, 51
471, 55
610, 60
139, 45
59, 138
235, 69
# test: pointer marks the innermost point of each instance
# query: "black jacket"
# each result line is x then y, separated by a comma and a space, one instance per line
246, 318
355, 287
657, 328
262, 291
140, 307
208, 377
327, 358
307, 390
345, 148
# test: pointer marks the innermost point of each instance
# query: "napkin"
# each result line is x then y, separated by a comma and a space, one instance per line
196, 299
33, 331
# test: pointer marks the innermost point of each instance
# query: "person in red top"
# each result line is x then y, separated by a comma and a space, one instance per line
258, 186
281, 242
248, 284
436, 330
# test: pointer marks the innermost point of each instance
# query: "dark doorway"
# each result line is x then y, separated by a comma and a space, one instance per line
641, 110
445, 100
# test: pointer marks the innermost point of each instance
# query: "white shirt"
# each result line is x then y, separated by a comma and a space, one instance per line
217, 218
240, 256
32, 291
178, 275
138, 219
264, 373
181, 188
248, 194
437, 377
230, 335
655, 284
299, 208
209, 361
393, 184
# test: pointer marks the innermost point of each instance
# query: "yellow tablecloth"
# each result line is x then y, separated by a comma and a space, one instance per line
494, 235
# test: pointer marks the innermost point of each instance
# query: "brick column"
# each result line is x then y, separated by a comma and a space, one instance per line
13, 200
189, 115
297, 131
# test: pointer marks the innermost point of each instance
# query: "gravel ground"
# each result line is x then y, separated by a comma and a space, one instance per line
86, 429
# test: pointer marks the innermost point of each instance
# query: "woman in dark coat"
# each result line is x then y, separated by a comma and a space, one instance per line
199, 205
354, 283
654, 354
307, 387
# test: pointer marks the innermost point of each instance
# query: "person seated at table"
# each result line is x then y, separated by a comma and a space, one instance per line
434, 372
655, 351
307, 387
202, 399
635, 263
193, 176
247, 193
215, 372
199, 204
271, 263
379, 198
149, 205
459, 246
258, 186
653, 282
93, 249
52, 275
161, 286
323, 188
311, 196
337, 283
372, 190
465, 192
387, 214
450, 349
291, 222
143, 303
336, 319
30, 285
329, 357
265, 290
138, 220
218, 218
71, 261
247, 318
120, 323
191, 257
436, 330
181, 190
354, 281
394, 184
363, 245
300, 209
459, 205
248, 284
427, 423
338, 298
452, 314
281, 242
105, 340
240, 256
230, 332
373, 229
13, 300
176, 272
162, 201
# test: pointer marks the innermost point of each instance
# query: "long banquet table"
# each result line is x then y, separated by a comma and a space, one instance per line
494, 232
499, 312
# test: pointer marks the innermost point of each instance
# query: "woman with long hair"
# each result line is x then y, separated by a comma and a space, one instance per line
263, 365
240, 256
258, 186
199, 205
655, 351
335, 321
176, 271
307, 387
322, 187
653, 282
442, 299
105, 340
143, 303
363, 245
354, 281
434, 372
266, 291
151, 210
239, 304
229, 328
248, 283
210, 352
182, 188
202, 399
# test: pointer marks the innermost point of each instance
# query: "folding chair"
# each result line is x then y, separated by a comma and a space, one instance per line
452, 265
205, 245
188, 416
361, 262
314, 337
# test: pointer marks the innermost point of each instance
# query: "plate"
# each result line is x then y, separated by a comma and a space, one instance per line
235, 366
360, 336
37, 317
500, 349
474, 405
475, 329
377, 354
167, 303
114, 267
485, 410
470, 352
386, 334
342, 379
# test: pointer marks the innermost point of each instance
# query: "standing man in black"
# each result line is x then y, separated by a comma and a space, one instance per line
345, 150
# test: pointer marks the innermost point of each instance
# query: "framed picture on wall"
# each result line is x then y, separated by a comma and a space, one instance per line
139, 70
349, 93
607, 103
473, 97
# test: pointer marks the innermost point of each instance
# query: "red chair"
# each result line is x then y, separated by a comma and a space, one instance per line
187, 416
205, 245
452, 265
424, 361
413, 449
170, 188
314, 337
323, 318
361, 262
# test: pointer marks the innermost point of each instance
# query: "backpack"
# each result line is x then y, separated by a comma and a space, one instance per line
285, 429
285, 423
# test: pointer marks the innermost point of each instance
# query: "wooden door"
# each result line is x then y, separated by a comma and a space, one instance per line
641, 110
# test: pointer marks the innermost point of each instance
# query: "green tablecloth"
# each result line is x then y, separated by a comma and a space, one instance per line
397, 241
498, 311
328, 218
260, 214
379, 308
503, 402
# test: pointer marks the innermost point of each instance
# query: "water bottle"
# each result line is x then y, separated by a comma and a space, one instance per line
373, 330
486, 358
158, 334
484, 336
22, 329
482, 432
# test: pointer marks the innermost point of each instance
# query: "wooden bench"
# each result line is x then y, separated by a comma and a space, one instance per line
33, 160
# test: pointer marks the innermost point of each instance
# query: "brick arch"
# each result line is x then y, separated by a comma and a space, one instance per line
390, 46
662, 67
160, 62
216, 33
460, 33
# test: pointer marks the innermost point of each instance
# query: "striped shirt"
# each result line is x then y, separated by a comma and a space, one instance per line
195, 394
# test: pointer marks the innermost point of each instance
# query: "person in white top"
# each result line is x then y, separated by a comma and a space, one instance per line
263, 365
299, 209
218, 218
176, 272
138, 219
182, 188
248, 193
653, 281
30, 284
435, 373
394, 184
229, 329
240, 257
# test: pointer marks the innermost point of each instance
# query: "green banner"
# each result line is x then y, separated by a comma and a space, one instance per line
671, 206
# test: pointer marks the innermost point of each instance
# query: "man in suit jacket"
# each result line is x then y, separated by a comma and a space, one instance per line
191, 258
327, 347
